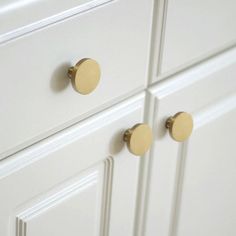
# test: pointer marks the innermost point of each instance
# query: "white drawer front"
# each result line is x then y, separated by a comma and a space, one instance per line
195, 30
36, 97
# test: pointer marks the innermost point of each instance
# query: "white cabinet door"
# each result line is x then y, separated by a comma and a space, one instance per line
193, 184
81, 181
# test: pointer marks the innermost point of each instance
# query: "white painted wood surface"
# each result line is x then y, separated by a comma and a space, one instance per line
193, 185
74, 209
189, 32
37, 98
21, 17
81, 181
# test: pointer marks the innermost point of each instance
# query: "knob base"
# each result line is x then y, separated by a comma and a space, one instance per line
169, 122
127, 135
70, 72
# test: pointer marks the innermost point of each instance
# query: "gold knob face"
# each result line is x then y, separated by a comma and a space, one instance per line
85, 75
180, 126
138, 139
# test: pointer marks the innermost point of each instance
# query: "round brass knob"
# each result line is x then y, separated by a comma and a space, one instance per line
85, 75
138, 139
180, 126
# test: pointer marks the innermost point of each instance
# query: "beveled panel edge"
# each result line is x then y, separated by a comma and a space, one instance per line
39, 24
33, 208
53, 198
107, 195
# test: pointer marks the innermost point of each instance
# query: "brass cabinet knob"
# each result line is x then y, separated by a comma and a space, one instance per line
138, 139
85, 75
180, 126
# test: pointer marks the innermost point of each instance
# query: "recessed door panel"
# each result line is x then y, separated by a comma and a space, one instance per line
73, 209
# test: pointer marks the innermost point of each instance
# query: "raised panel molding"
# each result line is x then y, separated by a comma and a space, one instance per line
95, 185
107, 194
84, 194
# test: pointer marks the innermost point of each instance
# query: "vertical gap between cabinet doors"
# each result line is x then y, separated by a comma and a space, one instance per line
179, 178
144, 170
157, 38
151, 48
160, 35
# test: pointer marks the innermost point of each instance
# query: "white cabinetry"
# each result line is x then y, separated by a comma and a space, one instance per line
187, 32
193, 184
65, 169
34, 66
82, 181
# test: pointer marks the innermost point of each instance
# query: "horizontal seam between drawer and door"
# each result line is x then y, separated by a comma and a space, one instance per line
66, 125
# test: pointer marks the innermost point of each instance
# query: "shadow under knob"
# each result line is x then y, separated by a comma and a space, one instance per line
180, 126
85, 75
138, 139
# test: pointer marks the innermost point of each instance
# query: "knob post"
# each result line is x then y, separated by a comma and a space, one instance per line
70, 72
138, 139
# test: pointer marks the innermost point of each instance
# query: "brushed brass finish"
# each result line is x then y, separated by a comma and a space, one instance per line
180, 126
138, 139
85, 75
